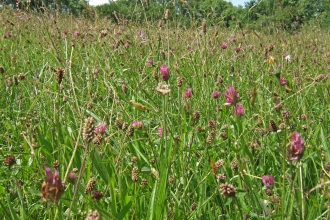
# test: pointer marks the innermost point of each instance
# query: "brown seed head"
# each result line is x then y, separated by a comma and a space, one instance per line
135, 174
10, 160
88, 132
228, 190
90, 185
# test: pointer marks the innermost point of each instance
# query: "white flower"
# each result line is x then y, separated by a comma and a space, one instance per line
287, 58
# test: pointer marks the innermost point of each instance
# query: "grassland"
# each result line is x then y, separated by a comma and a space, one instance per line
170, 148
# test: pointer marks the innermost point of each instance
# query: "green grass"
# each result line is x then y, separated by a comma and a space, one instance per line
42, 120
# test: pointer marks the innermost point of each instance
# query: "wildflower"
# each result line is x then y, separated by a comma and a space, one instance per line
239, 110
287, 58
52, 188
224, 45
215, 94
238, 49
142, 35
97, 194
296, 148
283, 81
137, 124
188, 93
232, 40
231, 96
160, 131
271, 60
71, 177
150, 63
163, 88
268, 180
100, 128
164, 72
76, 34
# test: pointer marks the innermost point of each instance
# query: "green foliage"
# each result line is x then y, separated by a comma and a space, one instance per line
178, 173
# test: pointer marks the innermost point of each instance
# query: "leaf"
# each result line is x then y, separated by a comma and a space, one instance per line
102, 171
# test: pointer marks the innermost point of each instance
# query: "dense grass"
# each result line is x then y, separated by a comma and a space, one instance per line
142, 174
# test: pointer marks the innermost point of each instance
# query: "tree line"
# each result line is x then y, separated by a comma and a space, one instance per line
256, 14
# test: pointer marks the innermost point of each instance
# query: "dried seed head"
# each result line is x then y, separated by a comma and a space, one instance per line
10, 160
319, 78
167, 13
221, 177
286, 114
90, 185
15, 80
204, 26
269, 191
193, 206
144, 182
234, 165
104, 33
160, 23
196, 115
155, 75
135, 174
273, 125
90, 105
224, 135
179, 81
327, 165
130, 131
210, 137
97, 140
88, 132
21, 76
93, 215
56, 164
227, 190
124, 87
212, 125
59, 75
118, 123
134, 159
219, 163
155, 173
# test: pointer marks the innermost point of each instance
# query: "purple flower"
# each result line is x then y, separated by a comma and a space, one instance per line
76, 34
268, 180
164, 72
232, 40
238, 49
283, 81
53, 187
296, 148
150, 63
216, 94
160, 131
239, 110
142, 35
231, 96
100, 128
224, 45
188, 93
137, 124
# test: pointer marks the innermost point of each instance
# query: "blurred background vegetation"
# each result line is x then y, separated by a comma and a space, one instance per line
256, 15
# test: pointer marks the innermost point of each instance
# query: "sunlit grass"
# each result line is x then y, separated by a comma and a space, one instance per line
165, 153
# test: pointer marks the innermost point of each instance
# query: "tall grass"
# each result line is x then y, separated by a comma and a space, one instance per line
141, 172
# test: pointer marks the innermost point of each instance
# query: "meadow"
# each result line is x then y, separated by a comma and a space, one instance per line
118, 120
